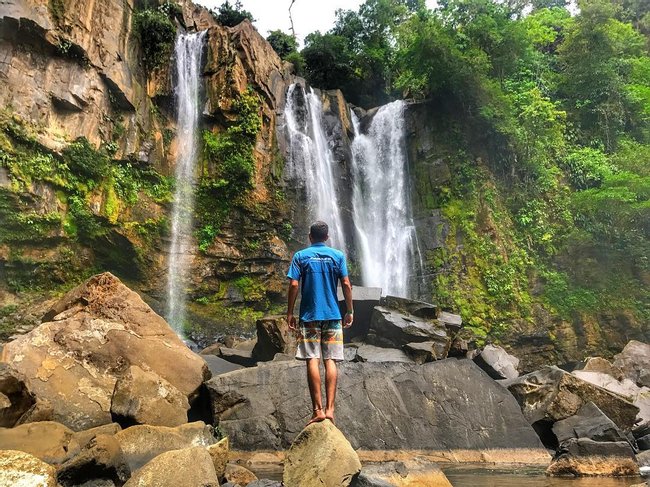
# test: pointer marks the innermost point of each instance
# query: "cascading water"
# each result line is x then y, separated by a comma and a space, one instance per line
382, 212
310, 159
188, 50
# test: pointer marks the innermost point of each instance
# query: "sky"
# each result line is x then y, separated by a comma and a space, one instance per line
308, 15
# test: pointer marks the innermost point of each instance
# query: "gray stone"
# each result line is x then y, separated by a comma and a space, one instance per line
411, 473
423, 352
497, 363
239, 357
420, 309
588, 422
264, 483
386, 406
644, 442
370, 353
551, 394
451, 321
643, 459
350, 352
219, 366
401, 329
634, 362
585, 457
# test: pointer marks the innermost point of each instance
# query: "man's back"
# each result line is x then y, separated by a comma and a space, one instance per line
319, 269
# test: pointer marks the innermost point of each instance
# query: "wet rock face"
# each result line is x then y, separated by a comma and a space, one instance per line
320, 455
97, 331
385, 406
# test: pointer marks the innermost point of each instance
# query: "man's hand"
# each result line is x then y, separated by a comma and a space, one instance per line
291, 321
347, 321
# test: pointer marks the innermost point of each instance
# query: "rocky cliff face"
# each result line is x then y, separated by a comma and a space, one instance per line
74, 89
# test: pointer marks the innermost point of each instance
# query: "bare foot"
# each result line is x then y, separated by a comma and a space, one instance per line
318, 416
329, 414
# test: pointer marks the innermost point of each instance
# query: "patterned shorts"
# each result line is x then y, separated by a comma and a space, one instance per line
320, 339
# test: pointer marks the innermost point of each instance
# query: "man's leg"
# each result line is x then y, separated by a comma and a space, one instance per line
330, 387
313, 379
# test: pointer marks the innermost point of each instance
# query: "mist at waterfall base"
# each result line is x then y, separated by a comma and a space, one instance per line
188, 50
384, 231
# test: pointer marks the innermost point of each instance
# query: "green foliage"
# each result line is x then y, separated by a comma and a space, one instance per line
230, 167
156, 31
587, 168
231, 15
283, 43
83, 159
250, 289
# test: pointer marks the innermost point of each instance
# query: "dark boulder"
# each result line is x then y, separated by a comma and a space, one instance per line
497, 363
364, 300
588, 422
401, 329
420, 309
551, 394
423, 352
236, 356
102, 458
15, 399
218, 365
644, 442
443, 405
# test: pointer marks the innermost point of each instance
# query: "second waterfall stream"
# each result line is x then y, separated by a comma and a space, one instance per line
384, 236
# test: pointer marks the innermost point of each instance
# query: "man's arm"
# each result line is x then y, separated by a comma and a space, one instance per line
346, 286
292, 294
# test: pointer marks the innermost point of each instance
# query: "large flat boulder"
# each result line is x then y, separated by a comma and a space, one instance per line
370, 353
399, 329
89, 340
551, 394
443, 405
401, 474
51, 442
320, 455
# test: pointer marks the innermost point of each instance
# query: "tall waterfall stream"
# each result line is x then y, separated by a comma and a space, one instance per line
188, 50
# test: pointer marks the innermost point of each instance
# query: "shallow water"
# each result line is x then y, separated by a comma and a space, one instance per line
489, 476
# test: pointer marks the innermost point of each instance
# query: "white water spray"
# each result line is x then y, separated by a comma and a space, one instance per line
310, 159
188, 50
382, 212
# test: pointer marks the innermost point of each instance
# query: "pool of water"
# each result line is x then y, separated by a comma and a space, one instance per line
489, 476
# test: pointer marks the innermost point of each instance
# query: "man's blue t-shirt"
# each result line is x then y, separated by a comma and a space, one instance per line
319, 269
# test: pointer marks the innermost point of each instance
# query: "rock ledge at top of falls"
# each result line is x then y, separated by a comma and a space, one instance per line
90, 339
440, 406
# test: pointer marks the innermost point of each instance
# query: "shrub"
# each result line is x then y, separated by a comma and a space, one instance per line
231, 15
156, 33
587, 168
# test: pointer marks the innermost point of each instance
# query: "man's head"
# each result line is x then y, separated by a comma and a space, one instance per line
318, 232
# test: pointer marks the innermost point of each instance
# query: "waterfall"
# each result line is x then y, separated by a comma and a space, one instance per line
310, 159
188, 50
382, 211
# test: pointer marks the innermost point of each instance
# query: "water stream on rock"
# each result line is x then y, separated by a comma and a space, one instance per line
311, 161
188, 50
382, 211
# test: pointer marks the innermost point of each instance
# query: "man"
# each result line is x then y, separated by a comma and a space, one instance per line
320, 334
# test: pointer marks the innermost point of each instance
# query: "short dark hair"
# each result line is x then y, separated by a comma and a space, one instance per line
319, 231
